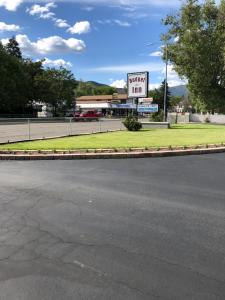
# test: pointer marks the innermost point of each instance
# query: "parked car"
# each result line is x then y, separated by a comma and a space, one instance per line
90, 115
76, 114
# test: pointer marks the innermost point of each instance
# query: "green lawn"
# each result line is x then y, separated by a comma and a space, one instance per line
178, 135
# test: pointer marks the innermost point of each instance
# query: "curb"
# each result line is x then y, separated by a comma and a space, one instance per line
117, 155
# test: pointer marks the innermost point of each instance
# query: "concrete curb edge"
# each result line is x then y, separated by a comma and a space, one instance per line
112, 155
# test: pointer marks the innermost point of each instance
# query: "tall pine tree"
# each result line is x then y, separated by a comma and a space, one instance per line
12, 48
158, 96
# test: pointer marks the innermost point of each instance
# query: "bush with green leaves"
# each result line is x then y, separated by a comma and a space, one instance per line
132, 123
156, 117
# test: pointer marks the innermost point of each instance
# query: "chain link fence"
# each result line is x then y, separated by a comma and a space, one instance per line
13, 130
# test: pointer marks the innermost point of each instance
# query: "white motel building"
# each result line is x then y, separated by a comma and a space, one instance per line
116, 104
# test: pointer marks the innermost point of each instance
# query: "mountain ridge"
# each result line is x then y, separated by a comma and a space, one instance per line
179, 90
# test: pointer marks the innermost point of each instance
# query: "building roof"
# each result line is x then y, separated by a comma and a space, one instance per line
103, 97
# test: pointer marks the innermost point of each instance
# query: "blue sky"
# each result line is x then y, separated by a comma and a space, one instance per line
98, 40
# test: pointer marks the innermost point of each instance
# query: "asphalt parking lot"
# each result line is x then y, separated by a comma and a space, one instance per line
22, 130
113, 229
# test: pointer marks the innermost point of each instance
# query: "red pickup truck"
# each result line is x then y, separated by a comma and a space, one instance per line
90, 115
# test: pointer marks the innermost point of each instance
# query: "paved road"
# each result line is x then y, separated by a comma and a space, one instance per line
113, 229
20, 131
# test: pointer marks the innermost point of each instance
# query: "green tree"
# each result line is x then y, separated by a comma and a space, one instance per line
84, 89
1, 47
89, 89
56, 87
32, 71
158, 96
13, 83
12, 47
175, 100
24, 82
198, 52
104, 90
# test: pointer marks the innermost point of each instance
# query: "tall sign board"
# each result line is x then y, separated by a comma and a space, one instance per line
137, 84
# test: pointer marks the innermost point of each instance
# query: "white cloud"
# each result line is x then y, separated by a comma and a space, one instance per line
80, 27
153, 86
88, 8
122, 23
119, 83
111, 22
49, 15
172, 83
13, 4
8, 27
61, 23
42, 12
156, 54
10, 4
49, 45
136, 15
173, 78
151, 67
123, 3
104, 22
130, 8
57, 63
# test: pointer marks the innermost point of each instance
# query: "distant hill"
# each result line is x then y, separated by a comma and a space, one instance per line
96, 84
180, 90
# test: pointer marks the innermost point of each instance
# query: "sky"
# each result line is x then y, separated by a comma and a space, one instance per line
99, 40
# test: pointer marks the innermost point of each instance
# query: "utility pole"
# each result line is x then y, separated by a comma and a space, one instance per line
165, 91
166, 80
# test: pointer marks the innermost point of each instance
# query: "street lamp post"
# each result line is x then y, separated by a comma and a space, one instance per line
165, 90
166, 80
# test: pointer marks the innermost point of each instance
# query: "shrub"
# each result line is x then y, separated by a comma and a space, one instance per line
157, 117
132, 124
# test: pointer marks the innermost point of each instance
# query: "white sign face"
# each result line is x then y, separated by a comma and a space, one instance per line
145, 100
137, 85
